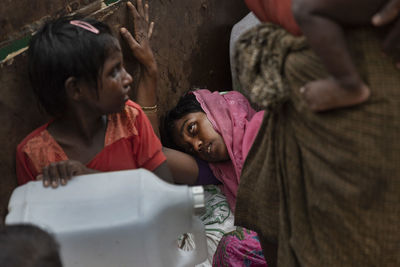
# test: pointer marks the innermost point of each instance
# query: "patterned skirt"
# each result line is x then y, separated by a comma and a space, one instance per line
239, 248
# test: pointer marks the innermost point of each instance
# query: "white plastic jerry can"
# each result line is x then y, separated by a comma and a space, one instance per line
125, 218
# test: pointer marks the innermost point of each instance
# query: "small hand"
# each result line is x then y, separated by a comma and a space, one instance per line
388, 14
139, 45
61, 172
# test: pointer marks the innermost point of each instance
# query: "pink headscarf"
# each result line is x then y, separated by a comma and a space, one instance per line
237, 122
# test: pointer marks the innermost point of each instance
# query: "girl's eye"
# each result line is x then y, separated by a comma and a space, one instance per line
115, 70
192, 128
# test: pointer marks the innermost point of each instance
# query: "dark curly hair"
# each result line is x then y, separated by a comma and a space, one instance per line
60, 50
26, 245
186, 104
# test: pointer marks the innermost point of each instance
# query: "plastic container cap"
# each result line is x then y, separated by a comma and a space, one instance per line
198, 199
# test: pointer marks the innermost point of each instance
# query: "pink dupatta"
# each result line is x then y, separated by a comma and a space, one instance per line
238, 123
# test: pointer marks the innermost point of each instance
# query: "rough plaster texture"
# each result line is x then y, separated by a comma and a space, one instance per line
18, 17
190, 41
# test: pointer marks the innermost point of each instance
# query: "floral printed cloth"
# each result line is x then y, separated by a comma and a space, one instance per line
239, 248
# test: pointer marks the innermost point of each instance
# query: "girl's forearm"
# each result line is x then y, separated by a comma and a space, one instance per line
147, 88
147, 95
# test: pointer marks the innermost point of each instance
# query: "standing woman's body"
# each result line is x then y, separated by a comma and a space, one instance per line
257, 189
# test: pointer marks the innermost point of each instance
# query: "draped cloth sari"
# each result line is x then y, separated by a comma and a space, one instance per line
324, 186
238, 123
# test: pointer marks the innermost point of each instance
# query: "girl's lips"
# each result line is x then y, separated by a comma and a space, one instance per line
206, 152
209, 149
127, 88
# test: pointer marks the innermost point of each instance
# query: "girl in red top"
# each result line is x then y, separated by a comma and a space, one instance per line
77, 72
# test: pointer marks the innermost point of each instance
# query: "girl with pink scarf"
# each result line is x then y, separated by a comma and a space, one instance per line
220, 129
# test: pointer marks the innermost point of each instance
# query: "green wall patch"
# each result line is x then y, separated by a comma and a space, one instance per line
14, 47
109, 2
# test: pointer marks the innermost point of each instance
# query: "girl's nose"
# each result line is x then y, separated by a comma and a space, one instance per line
198, 145
127, 78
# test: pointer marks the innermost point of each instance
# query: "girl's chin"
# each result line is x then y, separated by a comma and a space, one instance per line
221, 154
218, 158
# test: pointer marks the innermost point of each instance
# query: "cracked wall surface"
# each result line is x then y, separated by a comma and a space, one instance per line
190, 42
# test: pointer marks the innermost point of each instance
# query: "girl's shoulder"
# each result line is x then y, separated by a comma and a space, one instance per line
40, 148
130, 105
128, 115
123, 124
36, 136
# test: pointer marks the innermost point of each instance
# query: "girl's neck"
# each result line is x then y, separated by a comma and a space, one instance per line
78, 127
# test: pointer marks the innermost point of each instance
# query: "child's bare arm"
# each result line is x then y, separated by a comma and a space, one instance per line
140, 47
339, 10
183, 166
390, 14
322, 22
164, 173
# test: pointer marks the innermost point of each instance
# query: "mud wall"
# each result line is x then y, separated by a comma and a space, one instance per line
190, 41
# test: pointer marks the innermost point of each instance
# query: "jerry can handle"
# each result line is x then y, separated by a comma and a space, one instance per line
199, 253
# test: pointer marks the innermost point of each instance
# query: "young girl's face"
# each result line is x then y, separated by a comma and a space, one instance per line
113, 84
195, 134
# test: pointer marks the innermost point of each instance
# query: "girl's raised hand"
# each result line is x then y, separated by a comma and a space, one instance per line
139, 45
60, 172
146, 94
